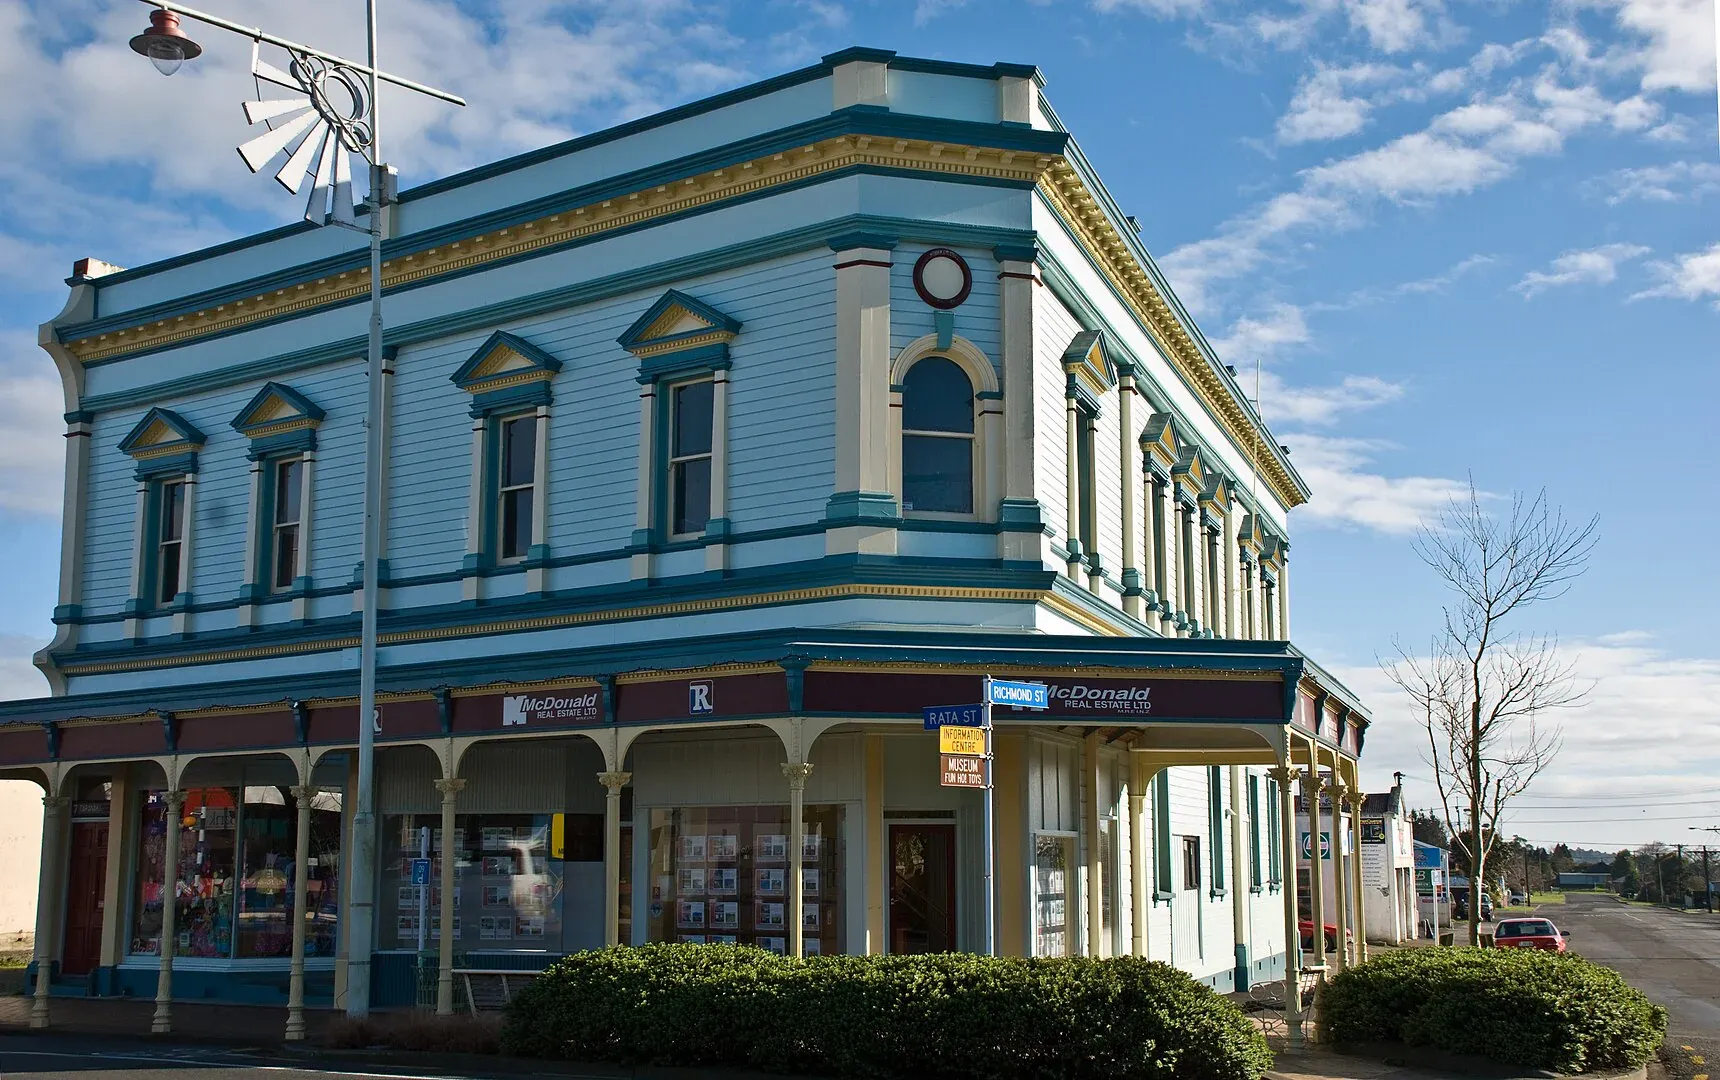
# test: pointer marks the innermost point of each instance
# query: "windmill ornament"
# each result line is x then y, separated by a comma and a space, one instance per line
319, 129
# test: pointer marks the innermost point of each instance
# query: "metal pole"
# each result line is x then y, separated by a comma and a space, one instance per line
423, 890
362, 909
989, 839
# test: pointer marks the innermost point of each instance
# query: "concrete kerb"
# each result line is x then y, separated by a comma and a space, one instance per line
1392, 1061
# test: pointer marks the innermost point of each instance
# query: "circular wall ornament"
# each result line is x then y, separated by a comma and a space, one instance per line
942, 278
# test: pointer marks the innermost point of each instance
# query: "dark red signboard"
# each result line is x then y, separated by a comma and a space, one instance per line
1072, 696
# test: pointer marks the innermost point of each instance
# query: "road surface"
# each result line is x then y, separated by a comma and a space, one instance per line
1672, 956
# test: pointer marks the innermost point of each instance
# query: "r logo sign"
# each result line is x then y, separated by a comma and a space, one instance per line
699, 698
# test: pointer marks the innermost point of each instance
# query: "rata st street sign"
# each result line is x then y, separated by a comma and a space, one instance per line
937, 716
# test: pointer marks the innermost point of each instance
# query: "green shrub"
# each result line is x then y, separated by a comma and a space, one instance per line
1518, 1006
948, 1015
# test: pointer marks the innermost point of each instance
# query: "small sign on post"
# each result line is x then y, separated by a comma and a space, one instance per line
937, 716
964, 770
961, 740
1021, 695
420, 871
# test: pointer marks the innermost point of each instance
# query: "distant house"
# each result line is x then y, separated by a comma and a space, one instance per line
1585, 881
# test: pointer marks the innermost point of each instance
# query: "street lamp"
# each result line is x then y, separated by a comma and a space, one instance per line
336, 117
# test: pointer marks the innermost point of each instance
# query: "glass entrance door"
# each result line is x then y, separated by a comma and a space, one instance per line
922, 888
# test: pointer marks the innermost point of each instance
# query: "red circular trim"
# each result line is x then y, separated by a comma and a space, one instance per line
920, 285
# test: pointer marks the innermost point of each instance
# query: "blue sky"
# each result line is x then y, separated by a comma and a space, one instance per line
1459, 239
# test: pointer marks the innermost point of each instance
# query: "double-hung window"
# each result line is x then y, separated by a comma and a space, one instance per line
516, 483
169, 539
690, 444
287, 489
937, 438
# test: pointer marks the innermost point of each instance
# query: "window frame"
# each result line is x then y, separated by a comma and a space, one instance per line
674, 463
1215, 814
499, 489
972, 438
1256, 879
1087, 480
156, 543
1164, 880
1191, 864
273, 525
1274, 834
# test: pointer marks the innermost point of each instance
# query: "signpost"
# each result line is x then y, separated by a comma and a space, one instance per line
965, 756
421, 878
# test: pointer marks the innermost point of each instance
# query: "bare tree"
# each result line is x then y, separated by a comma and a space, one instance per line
1483, 685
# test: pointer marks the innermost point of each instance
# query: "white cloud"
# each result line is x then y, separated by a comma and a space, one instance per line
1390, 25
1281, 402
1324, 107
1694, 275
1347, 492
1677, 181
1415, 166
1677, 41
1263, 338
1589, 266
1643, 700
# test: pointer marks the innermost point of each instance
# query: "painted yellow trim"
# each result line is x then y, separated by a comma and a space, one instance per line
645, 352
502, 382
281, 427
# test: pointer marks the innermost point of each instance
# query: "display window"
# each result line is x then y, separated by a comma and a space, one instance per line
508, 876
1053, 859
719, 875
233, 888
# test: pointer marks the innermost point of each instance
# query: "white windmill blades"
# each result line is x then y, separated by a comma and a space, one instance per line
300, 130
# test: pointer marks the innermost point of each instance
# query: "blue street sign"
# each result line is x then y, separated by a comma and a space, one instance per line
937, 716
1022, 695
420, 871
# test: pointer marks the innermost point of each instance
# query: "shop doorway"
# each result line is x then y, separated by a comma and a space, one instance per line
922, 888
86, 884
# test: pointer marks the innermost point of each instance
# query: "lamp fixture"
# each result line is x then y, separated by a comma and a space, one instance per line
164, 43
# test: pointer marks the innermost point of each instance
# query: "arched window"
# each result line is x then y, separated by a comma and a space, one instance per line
937, 438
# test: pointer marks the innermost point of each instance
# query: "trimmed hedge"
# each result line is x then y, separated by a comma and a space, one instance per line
1518, 1006
945, 1015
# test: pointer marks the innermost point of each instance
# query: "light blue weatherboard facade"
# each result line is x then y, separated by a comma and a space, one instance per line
790, 251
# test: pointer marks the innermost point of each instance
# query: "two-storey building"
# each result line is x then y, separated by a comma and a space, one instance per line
719, 444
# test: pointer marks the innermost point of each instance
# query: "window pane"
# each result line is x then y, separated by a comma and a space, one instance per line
519, 451
169, 583
201, 887
937, 474
286, 555
693, 419
692, 495
288, 476
936, 396
172, 510
516, 522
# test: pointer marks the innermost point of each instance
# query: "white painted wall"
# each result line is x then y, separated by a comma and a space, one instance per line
20, 858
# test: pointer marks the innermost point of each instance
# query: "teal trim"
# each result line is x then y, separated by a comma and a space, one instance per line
465, 376
1254, 877
852, 122
1164, 880
302, 407
1016, 252
1215, 813
700, 360
1021, 515
861, 238
977, 651
1132, 582
520, 398
189, 437
1274, 831
160, 468
300, 441
634, 336
1240, 981
669, 271
944, 324
1090, 351
862, 508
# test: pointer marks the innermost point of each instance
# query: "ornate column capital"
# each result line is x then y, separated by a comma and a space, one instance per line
54, 805
797, 772
174, 799
450, 788
613, 781
1284, 774
302, 793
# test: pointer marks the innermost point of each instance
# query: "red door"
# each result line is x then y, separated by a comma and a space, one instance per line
86, 881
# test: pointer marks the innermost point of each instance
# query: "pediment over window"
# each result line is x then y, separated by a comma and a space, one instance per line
1160, 444
678, 322
162, 432
1189, 475
276, 408
1088, 359
503, 361
1217, 490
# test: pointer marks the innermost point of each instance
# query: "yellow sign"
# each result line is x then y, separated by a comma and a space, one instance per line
961, 740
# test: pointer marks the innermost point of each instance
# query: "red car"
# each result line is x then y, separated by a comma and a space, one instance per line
1528, 934
1307, 929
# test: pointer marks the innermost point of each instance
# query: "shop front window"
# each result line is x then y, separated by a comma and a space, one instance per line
233, 887
508, 878
719, 875
1053, 856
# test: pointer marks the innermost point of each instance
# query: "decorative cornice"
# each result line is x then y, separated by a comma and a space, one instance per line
660, 200
1068, 195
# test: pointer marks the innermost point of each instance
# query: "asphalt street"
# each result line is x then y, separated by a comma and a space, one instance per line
48, 1057
1672, 956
